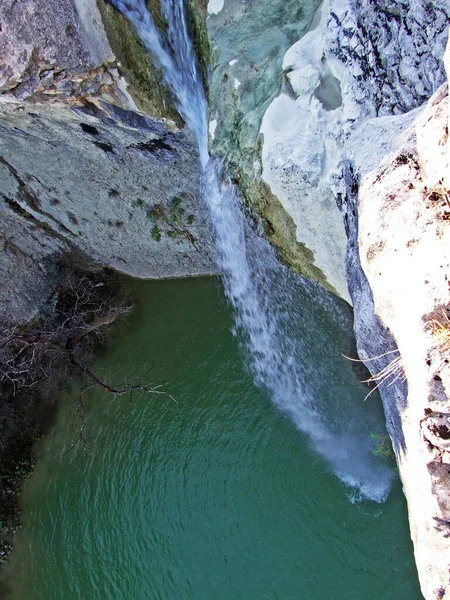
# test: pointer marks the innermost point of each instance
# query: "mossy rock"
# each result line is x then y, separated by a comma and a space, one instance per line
196, 20
154, 6
145, 80
279, 226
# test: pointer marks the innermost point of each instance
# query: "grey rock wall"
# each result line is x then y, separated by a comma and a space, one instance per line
84, 175
394, 49
45, 40
111, 183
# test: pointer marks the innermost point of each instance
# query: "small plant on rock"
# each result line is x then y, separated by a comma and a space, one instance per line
156, 233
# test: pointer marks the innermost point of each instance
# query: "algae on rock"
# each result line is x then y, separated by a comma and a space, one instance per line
196, 13
145, 81
249, 41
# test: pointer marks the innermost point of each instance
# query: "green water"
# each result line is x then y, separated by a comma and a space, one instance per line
213, 496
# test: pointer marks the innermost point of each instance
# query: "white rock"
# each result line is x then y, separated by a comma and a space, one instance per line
301, 155
215, 6
212, 128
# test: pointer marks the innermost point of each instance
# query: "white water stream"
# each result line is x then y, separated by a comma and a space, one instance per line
266, 296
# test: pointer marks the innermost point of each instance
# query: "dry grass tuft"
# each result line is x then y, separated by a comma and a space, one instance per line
391, 373
440, 330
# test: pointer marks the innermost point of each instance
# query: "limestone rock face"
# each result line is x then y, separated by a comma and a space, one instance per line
303, 145
85, 176
114, 184
394, 47
403, 217
249, 41
29, 258
358, 60
349, 62
43, 43
396, 167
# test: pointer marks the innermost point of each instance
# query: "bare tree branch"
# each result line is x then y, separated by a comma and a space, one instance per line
31, 356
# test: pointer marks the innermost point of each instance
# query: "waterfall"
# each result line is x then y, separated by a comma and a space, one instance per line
267, 298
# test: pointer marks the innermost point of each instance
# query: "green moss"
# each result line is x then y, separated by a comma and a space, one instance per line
384, 446
156, 233
145, 81
154, 6
156, 212
196, 20
169, 219
176, 201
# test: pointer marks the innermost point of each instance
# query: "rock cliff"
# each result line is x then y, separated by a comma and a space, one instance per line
249, 41
396, 168
403, 211
281, 115
85, 176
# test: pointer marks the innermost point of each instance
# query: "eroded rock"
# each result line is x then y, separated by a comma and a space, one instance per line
112, 183
403, 246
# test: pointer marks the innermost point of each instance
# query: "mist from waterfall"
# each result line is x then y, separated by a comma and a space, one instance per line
270, 302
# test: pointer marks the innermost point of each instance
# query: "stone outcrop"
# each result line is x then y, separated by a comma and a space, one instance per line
303, 142
112, 184
403, 241
85, 176
249, 42
398, 260
356, 61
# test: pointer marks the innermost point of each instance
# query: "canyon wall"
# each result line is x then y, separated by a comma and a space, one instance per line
402, 248
86, 178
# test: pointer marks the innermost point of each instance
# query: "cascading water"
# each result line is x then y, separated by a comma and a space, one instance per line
268, 299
